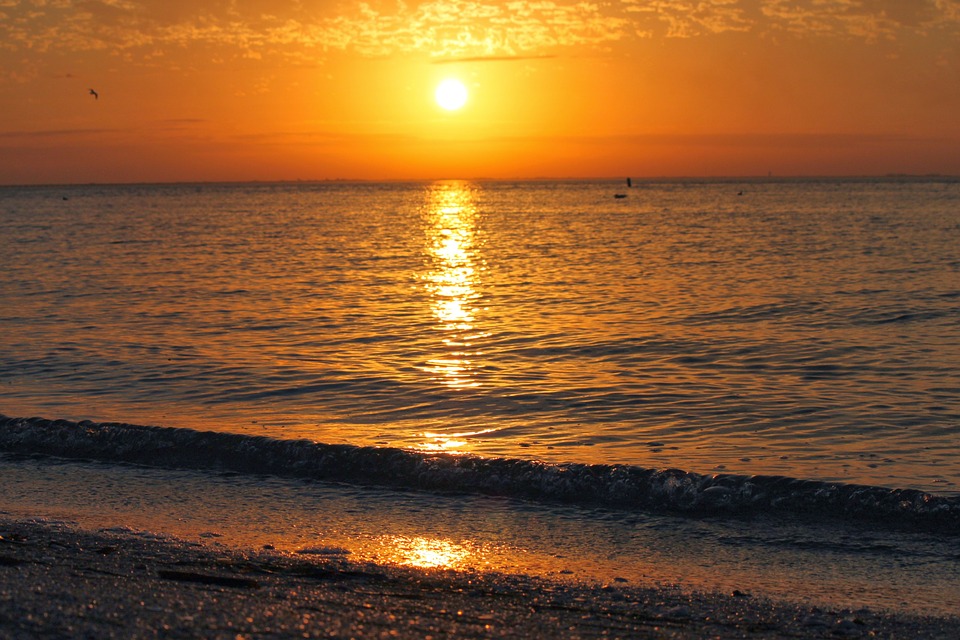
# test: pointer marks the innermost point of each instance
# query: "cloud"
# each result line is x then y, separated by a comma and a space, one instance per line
686, 19
782, 140
54, 134
440, 28
771, 141
143, 30
948, 10
869, 20
831, 17
456, 28
493, 59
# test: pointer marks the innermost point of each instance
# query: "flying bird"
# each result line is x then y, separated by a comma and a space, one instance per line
95, 95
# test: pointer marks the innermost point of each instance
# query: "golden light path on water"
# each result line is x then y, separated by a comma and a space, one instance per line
452, 276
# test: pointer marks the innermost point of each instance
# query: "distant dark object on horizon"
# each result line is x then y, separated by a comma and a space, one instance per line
96, 96
629, 183
619, 195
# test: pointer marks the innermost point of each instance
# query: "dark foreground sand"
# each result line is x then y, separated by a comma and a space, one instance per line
61, 582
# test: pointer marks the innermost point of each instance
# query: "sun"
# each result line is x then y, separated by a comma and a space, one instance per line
451, 94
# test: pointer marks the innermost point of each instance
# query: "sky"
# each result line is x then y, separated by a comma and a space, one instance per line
232, 90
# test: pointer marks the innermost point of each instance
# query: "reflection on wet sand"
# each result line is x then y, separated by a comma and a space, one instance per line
425, 553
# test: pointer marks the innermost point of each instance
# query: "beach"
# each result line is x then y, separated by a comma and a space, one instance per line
559, 413
60, 581
479, 319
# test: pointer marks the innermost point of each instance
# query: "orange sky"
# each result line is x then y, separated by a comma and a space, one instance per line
310, 89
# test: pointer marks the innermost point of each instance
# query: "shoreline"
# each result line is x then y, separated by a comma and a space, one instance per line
57, 581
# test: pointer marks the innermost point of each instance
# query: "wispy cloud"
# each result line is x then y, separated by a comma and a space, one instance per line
769, 141
492, 59
441, 28
686, 19
831, 17
866, 19
58, 134
438, 29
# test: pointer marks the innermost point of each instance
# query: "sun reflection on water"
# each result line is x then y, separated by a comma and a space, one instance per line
452, 278
449, 442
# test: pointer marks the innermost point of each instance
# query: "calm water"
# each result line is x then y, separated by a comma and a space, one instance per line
804, 328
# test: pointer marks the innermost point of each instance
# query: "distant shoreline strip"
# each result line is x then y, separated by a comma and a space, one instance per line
623, 487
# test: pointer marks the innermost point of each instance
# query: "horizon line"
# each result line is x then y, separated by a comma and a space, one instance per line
619, 178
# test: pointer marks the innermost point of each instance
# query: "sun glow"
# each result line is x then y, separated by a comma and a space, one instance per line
451, 94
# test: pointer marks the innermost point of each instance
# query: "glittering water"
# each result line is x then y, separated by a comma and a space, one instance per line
805, 328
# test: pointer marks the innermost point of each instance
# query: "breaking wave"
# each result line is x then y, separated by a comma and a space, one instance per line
594, 485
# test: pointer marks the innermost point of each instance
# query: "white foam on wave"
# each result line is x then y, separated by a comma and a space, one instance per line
611, 486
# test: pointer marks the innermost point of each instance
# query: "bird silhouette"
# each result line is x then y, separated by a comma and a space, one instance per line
95, 95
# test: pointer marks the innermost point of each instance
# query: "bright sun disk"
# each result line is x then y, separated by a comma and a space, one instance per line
451, 94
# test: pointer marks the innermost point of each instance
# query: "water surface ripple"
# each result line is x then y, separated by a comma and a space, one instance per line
807, 328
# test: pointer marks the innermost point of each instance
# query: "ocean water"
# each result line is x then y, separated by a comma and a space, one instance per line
723, 384
805, 328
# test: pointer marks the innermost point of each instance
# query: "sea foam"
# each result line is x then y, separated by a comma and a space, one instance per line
622, 487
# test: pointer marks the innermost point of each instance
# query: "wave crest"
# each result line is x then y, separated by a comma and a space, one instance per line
611, 486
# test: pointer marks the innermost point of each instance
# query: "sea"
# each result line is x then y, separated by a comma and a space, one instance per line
748, 384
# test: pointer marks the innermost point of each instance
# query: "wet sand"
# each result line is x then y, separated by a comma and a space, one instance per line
58, 581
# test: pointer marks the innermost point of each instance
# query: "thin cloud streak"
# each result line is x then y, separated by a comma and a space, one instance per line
742, 140
55, 133
493, 59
